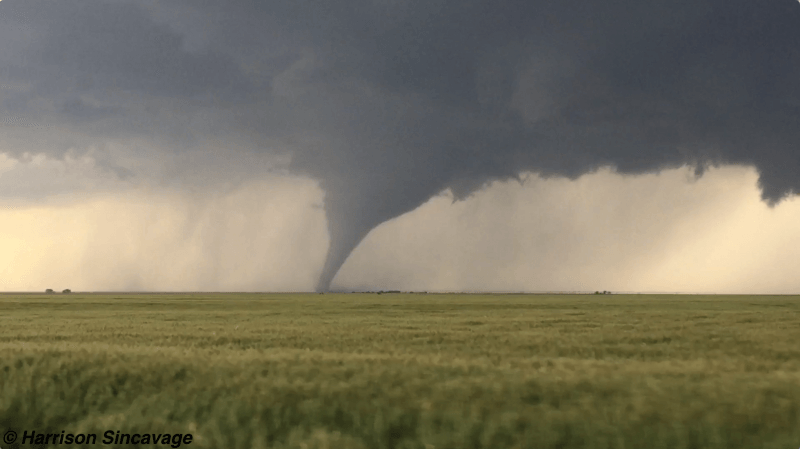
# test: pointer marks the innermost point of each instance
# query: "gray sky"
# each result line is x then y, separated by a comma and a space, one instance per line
239, 145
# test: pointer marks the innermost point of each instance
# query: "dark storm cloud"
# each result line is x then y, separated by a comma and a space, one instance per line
388, 102
79, 62
93, 44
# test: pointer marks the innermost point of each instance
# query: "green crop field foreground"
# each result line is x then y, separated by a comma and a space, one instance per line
401, 370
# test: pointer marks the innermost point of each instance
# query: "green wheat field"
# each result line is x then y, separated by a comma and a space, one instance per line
404, 370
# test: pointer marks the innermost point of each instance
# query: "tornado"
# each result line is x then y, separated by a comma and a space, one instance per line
388, 104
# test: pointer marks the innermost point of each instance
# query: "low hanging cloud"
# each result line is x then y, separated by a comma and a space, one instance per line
388, 104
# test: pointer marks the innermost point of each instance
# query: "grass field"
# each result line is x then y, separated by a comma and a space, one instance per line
404, 370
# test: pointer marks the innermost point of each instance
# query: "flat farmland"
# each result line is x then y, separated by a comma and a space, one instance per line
403, 370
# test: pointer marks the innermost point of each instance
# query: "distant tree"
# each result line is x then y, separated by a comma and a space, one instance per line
596, 293
66, 290
49, 290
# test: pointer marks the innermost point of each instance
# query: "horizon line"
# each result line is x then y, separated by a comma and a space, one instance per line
429, 292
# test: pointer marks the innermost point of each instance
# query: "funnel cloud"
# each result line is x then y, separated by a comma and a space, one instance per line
388, 104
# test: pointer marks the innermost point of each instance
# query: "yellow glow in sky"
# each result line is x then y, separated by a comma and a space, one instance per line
663, 233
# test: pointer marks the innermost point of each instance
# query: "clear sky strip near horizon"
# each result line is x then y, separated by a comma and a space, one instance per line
369, 144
